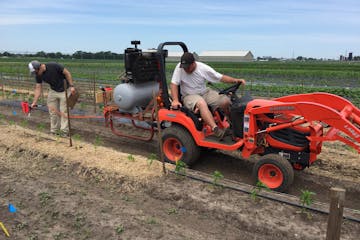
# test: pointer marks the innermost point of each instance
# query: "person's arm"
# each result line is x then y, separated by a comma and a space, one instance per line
174, 89
228, 79
68, 77
37, 93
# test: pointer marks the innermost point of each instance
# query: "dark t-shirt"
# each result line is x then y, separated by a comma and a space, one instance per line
54, 76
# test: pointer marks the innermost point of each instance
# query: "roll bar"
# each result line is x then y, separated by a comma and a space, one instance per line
161, 58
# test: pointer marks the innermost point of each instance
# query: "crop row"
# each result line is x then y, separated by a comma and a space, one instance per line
268, 79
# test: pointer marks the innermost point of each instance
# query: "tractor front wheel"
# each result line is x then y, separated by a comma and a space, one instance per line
274, 171
178, 145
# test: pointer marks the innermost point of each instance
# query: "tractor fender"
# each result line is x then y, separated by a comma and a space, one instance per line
177, 116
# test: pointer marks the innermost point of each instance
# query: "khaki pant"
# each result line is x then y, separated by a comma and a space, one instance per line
211, 97
56, 102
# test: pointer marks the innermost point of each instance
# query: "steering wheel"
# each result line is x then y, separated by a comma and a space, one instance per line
230, 90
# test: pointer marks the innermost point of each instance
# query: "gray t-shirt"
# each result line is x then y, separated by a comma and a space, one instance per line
195, 82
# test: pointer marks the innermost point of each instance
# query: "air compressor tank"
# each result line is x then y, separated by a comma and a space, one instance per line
132, 97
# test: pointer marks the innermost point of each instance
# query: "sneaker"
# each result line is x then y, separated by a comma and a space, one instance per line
55, 133
64, 134
219, 133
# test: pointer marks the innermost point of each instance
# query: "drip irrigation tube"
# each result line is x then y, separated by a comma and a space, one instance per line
349, 214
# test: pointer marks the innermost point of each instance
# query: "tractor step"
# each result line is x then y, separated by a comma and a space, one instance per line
227, 140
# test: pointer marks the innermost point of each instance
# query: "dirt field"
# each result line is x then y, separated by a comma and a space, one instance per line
90, 191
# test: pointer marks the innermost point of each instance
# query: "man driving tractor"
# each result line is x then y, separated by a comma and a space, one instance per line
191, 76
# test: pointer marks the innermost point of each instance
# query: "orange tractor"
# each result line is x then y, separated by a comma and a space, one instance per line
287, 132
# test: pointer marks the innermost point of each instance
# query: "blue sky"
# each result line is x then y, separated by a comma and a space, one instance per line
283, 28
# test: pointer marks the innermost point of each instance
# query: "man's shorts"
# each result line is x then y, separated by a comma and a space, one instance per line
211, 97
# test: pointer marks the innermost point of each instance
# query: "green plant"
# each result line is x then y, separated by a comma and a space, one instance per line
98, 141
256, 190
306, 199
217, 176
82, 105
40, 127
180, 167
44, 198
58, 134
77, 138
59, 236
119, 229
131, 158
126, 198
33, 237
151, 220
20, 226
12, 123
172, 211
80, 221
24, 123
151, 158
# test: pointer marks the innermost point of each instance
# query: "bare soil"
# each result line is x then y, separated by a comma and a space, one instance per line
107, 187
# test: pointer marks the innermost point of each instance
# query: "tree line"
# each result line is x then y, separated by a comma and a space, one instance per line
77, 55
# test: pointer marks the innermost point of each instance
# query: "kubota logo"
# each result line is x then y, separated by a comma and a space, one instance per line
282, 108
355, 134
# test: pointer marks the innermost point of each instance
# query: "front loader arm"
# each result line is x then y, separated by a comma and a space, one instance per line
339, 121
327, 99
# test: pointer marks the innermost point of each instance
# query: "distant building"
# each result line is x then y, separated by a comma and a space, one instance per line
226, 56
175, 56
215, 56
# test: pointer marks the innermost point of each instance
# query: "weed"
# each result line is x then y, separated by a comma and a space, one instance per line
131, 158
119, 229
256, 190
44, 198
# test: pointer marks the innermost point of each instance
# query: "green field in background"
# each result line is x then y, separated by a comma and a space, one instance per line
268, 79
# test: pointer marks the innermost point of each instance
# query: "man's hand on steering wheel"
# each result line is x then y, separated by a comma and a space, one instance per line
240, 80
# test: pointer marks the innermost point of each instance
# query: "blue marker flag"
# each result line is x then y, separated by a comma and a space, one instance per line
183, 149
11, 208
14, 113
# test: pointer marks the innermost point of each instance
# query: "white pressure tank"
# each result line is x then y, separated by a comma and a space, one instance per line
132, 97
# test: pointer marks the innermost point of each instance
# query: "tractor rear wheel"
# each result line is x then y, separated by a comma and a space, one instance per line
274, 171
178, 145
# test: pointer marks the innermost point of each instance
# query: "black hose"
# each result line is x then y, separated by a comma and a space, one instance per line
198, 178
